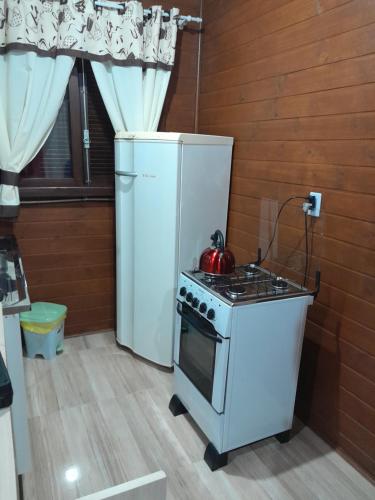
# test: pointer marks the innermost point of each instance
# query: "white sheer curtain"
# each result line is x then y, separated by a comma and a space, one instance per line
133, 97
134, 94
32, 89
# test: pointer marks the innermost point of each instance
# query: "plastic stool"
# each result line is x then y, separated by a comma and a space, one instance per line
46, 345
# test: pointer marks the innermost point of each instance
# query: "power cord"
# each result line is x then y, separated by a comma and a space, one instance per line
307, 252
277, 220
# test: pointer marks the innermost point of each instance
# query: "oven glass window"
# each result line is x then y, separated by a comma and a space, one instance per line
197, 357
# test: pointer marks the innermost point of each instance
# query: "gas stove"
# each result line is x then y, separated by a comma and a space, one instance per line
237, 351
249, 283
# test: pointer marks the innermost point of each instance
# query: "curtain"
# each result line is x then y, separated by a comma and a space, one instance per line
32, 89
132, 58
78, 28
134, 96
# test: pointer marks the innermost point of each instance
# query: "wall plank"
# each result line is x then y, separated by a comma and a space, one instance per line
293, 82
68, 255
180, 103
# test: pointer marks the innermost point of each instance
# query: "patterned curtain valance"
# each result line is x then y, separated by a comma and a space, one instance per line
77, 28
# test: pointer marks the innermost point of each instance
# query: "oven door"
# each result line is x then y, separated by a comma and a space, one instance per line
202, 354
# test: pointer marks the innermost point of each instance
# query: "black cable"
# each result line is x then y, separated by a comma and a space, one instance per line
277, 220
307, 252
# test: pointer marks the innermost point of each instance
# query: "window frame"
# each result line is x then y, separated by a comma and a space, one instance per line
44, 188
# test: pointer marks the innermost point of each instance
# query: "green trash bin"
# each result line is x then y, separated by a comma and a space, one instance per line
43, 329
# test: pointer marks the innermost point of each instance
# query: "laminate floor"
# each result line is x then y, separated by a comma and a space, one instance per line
99, 416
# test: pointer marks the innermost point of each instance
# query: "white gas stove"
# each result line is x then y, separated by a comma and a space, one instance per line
237, 352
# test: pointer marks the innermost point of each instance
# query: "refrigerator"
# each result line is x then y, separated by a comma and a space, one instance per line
172, 193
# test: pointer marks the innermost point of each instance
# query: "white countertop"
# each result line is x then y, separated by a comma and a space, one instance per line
8, 477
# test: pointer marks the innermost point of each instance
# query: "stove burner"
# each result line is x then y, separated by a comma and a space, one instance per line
235, 292
214, 279
250, 270
279, 284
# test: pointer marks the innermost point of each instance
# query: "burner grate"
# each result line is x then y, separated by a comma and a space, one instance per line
249, 282
250, 270
279, 283
235, 291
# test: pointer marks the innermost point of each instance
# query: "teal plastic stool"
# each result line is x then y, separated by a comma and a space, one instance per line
46, 345
43, 329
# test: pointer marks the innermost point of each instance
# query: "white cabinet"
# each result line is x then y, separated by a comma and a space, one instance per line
8, 476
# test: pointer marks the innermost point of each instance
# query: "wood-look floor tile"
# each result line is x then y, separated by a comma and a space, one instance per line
333, 479
193, 440
278, 464
50, 460
358, 483
258, 479
122, 441
81, 443
220, 485
99, 368
172, 444
103, 411
71, 381
74, 344
41, 393
185, 483
156, 454
100, 339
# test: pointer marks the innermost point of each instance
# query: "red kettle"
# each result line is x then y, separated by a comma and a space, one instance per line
217, 259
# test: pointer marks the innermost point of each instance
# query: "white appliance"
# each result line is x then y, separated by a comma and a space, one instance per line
172, 193
15, 299
237, 355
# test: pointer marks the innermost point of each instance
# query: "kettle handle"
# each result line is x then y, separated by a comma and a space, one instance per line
218, 239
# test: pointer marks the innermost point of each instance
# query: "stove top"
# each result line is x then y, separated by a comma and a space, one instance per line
249, 283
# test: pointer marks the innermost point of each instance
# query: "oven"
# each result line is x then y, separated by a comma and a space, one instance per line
202, 355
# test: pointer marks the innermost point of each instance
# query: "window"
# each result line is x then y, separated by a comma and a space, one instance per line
64, 167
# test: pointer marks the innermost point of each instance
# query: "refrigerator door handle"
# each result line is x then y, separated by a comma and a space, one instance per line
126, 174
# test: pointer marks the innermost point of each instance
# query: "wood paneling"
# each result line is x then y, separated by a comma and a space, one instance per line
68, 255
180, 103
294, 83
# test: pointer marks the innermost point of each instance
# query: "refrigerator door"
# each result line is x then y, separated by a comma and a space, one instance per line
147, 217
205, 179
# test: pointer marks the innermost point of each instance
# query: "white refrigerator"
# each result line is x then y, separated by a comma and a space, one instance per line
172, 193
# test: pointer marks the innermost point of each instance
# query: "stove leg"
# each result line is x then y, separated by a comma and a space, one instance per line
213, 458
176, 407
283, 437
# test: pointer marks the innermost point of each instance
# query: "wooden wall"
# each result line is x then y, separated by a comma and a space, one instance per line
68, 255
293, 82
180, 104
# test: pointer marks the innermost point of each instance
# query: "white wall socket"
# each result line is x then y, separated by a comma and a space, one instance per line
318, 201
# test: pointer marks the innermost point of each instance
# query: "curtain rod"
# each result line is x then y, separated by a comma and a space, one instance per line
120, 6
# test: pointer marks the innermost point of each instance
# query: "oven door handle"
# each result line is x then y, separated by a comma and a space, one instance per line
201, 330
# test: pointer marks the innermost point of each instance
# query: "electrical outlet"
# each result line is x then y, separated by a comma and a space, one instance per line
314, 211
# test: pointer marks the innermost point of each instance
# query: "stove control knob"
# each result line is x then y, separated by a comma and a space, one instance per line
189, 297
182, 291
195, 302
203, 308
210, 314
